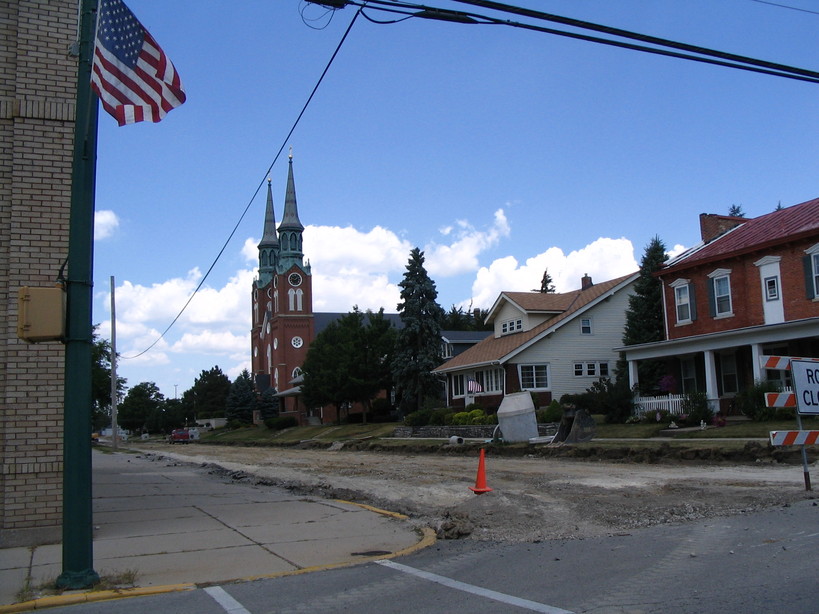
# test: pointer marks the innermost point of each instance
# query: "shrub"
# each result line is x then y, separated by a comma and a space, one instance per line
696, 408
418, 418
279, 423
751, 401
552, 413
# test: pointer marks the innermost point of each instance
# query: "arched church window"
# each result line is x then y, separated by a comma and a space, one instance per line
284, 240
276, 301
299, 299
291, 299
264, 257
296, 372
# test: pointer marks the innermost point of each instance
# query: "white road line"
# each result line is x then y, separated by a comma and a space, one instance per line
222, 597
534, 606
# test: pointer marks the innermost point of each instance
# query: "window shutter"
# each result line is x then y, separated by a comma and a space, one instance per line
692, 302
712, 299
808, 264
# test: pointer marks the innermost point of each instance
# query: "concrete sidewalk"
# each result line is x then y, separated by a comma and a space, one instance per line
174, 524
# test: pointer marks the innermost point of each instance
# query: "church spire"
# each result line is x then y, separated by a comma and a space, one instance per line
291, 229
269, 245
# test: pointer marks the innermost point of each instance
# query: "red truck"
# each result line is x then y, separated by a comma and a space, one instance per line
180, 436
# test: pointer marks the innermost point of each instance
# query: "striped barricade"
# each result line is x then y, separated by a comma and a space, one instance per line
794, 438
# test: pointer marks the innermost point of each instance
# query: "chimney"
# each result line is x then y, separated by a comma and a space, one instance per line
585, 282
712, 225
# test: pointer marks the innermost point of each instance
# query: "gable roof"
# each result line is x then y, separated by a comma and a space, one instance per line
497, 350
789, 224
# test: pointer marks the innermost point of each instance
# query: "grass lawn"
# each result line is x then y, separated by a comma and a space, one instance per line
383, 431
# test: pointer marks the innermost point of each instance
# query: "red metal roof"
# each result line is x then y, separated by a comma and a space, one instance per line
791, 223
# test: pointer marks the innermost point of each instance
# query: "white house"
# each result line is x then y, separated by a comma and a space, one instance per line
551, 344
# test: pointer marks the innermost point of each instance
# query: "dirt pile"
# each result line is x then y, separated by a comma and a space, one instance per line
533, 497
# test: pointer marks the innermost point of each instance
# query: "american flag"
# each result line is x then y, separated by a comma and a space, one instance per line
131, 75
473, 386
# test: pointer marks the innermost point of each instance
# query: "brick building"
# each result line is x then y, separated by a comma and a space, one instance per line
750, 289
37, 102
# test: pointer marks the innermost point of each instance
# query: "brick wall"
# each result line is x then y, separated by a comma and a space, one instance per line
746, 292
37, 92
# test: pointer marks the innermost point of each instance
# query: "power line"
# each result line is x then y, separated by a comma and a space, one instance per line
255, 193
659, 46
785, 6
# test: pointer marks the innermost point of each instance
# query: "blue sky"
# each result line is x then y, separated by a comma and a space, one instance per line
499, 152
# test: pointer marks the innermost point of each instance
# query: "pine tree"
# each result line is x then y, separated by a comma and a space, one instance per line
207, 397
268, 404
644, 316
418, 348
547, 286
241, 400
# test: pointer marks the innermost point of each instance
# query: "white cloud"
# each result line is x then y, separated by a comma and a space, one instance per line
105, 223
603, 259
461, 256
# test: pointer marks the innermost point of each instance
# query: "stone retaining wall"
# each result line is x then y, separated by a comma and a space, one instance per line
483, 431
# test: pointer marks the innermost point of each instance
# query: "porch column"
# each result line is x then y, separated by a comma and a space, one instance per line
633, 374
711, 389
756, 358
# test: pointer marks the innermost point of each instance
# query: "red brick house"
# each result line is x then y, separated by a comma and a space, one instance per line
749, 289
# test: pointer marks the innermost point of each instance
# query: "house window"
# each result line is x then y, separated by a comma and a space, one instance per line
490, 380
689, 375
591, 369
510, 326
446, 350
815, 273
457, 385
586, 326
534, 377
771, 288
683, 304
730, 381
721, 293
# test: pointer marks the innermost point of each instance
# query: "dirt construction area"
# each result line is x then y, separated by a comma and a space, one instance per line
532, 498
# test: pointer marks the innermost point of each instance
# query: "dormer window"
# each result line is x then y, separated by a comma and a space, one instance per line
511, 326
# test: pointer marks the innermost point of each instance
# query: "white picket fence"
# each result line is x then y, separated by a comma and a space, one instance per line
672, 403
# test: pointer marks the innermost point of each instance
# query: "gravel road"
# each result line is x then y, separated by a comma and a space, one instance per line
533, 498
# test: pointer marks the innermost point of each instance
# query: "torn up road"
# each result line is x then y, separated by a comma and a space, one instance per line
532, 498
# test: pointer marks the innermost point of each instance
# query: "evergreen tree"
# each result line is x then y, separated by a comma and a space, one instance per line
418, 350
644, 316
268, 404
241, 400
736, 211
547, 286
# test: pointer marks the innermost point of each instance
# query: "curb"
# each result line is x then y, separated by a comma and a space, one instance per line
428, 538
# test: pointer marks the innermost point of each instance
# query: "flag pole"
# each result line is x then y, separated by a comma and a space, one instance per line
78, 556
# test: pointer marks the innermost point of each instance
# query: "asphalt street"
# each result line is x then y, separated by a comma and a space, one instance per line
759, 562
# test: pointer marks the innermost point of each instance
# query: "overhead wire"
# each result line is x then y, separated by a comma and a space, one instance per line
661, 46
258, 188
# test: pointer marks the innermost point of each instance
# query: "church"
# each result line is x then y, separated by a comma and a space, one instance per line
283, 323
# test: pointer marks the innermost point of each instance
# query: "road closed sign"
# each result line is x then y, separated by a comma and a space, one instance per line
806, 385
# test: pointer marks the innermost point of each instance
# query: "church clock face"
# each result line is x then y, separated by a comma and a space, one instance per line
297, 342
294, 279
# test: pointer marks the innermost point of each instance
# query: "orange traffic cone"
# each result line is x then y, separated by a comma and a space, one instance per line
480, 482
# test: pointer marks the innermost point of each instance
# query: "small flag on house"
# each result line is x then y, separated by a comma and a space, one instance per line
133, 78
473, 386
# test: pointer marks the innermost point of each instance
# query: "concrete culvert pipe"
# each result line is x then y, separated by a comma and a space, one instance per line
455, 440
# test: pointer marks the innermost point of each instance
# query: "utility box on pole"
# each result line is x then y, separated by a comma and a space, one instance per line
41, 314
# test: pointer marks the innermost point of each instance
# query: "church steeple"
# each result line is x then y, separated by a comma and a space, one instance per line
291, 229
269, 245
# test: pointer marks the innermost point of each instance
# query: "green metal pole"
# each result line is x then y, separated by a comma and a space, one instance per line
78, 553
